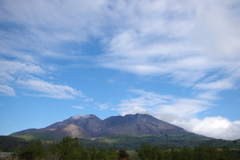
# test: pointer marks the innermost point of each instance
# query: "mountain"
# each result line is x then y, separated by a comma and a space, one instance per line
138, 124
129, 132
83, 126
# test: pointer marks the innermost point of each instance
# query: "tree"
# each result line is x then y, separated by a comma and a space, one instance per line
147, 152
112, 153
70, 148
185, 153
227, 154
102, 154
93, 153
205, 152
122, 154
34, 151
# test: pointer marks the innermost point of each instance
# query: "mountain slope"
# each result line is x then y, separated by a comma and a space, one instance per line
91, 126
139, 124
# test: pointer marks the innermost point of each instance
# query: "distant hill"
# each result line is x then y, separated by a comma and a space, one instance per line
83, 126
12, 143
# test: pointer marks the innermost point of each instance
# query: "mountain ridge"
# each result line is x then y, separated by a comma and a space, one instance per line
83, 126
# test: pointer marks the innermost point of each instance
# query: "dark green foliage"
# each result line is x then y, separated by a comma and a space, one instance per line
122, 154
93, 153
227, 154
102, 154
206, 152
12, 143
34, 151
133, 142
185, 153
70, 148
203, 152
147, 152
112, 152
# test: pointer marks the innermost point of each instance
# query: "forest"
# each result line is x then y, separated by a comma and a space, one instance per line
72, 149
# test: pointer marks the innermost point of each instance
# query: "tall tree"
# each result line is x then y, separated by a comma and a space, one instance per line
70, 148
34, 151
122, 154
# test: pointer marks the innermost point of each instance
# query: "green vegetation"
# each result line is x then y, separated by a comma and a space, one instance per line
8, 143
69, 149
203, 152
32, 136
128, 142
33, 151
72, 149
133, 142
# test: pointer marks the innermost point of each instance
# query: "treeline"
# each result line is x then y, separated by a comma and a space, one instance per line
71, 149
203, 152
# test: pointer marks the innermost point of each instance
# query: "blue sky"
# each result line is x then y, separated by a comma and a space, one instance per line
176, 60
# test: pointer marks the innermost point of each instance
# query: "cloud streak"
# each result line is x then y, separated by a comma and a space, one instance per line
183, 42
151, 102
78, 107
6, 90
45, 89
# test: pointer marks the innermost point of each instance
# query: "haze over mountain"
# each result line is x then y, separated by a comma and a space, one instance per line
91, 126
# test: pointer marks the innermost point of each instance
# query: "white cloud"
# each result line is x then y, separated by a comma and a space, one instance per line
184, 107
182, 40
218, 85
78, 107
216, 127
209, 95
47, 24
6, 90
103, 106
88, 99
148, 102
50, 90
11, 69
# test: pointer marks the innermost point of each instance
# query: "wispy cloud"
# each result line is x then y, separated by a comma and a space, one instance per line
218, 85
44, 33
78, 107
185, 41
151, 102
102, 106
11, 69
89, 100
6, 90
46, 89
